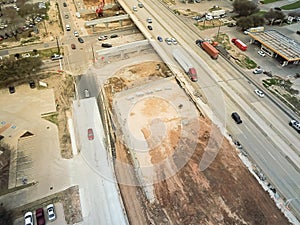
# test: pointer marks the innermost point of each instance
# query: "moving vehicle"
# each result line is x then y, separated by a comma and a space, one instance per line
28, 218
168, 41
261, 53
258, 71
90, 134
51, 212
68, 28
86, 93
235, 116
174, 41
40, 218
206, 46
80, 40
295, 124
259, 93
113, 36
241, 45
140, 5
185, 64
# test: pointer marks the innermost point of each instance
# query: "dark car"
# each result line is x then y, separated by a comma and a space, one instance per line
65, 4
106, 45
150, 27
298, 32
40, 218
235, 116
32, 84
113, 36
277, 8
11, 89
73, 46
80, 40
160, 39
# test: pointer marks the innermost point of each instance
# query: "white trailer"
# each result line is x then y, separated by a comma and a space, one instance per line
218, 13
185, 64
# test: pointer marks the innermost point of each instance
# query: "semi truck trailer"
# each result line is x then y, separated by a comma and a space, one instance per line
206, 46
185, 64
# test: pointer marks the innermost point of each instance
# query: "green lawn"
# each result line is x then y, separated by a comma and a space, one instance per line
294, 5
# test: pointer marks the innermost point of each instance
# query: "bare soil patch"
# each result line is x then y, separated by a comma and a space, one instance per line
225, 193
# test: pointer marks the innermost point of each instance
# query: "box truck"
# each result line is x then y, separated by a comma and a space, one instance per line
241, 45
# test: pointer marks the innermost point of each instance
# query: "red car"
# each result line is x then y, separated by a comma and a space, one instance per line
73, 46
90, 134
40, 218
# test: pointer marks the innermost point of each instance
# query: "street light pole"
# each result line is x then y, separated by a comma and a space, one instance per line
58, 49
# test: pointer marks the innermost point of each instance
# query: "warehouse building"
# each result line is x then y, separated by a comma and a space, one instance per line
277, 45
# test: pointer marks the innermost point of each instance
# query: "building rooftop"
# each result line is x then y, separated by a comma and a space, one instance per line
286, 47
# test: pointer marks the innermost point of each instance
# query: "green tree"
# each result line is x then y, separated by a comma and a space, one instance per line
273, 15
244, 7
5, 216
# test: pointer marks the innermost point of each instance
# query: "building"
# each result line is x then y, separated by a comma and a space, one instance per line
277, 45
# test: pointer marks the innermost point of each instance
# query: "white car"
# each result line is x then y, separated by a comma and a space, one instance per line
76, 34
134, 8
103, 37
28, 218
56, 57
168, 41
149, 20
174, 41
261, 53
50, 212
259, 93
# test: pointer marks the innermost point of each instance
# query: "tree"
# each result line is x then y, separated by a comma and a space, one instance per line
5, 216
32, 11
273, 15
244, 7
250, 21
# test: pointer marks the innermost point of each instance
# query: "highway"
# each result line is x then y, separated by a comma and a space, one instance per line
265, 134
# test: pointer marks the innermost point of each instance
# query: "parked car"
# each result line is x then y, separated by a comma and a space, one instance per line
31, 84
149, 20
258, 71
259, 93
295, 124
160, 39
73, 46
11, 89
261, 53
134, 8
28, 218
235, 116
76, 34
65, 4
298, 32
106, 45
67, 16
103, 37
40, 218
68, 28
56, 57
51, 212
150, 27
90, 134
80, 40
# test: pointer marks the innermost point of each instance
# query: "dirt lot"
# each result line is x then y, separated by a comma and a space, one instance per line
225, 193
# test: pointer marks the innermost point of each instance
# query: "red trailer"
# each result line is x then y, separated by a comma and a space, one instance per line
241, 45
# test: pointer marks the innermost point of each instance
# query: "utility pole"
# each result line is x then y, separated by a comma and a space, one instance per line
58, 49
